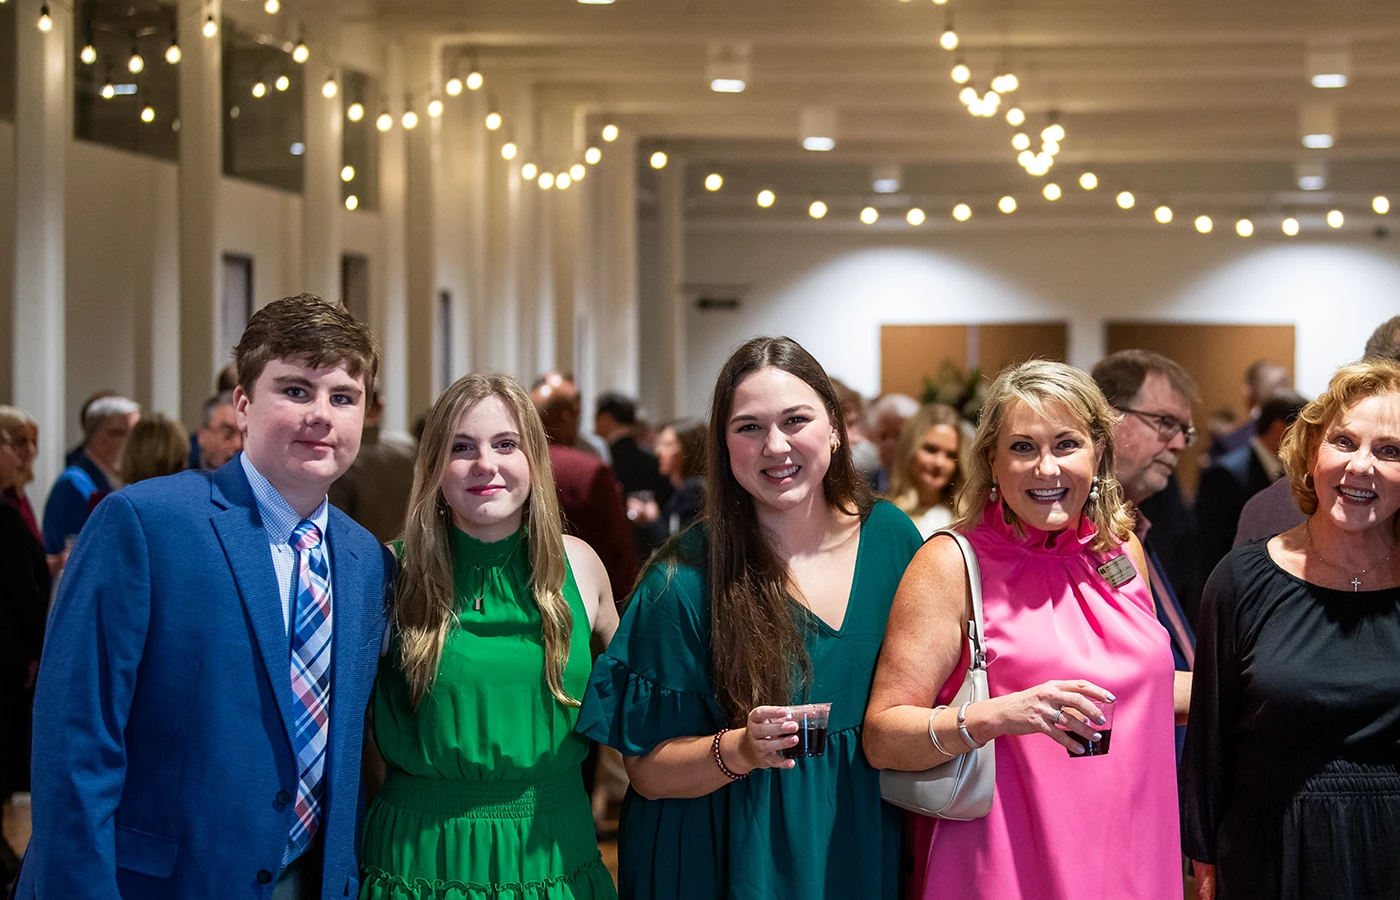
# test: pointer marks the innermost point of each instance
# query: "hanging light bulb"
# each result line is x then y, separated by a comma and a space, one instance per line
658, 160
529, 171
211, 27
817, 210
1290, 226
1335, 218
1021, 141
509, 150
45, 23
961, 73
968, 95
962, 212
384, 122
1015, 117
1052, 192
915, 217
435, 107
172, 53
609, 133
766, 198
453, 86
352, 203
713, 182
259, 89
1163, 214
592, 156
1088, 181
1026, 158
1244, 228
88, 54
546, 180
109, 90
272, 7
148, 114
329, 88
301, 53
1381, 205
355, 111
1007, 205
1204, 224
135, 63
577, 171
1125, 200
282, 83
475, 80
1053, 132
1009, 83
347, 174
948, 40
409, 120
562, 181
870, 215
493, 120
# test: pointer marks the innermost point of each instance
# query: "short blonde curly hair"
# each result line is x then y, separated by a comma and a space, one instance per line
1037, 384
1371, 377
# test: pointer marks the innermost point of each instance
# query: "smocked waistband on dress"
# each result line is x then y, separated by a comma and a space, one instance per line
482, 799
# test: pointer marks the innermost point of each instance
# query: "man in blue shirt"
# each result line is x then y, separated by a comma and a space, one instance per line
92, 472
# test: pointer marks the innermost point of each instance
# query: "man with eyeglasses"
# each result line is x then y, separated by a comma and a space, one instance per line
1154, 395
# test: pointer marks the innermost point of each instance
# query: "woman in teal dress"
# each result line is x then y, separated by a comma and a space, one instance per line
475, 704
778, 596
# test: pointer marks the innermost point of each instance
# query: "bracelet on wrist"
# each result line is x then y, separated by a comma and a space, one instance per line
962, 727
934, 737
719, 760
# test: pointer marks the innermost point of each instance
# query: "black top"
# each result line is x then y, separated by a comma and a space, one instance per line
637, 469
24, 588
1290, 781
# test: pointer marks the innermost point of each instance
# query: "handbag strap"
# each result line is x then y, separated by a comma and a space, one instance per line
976, 636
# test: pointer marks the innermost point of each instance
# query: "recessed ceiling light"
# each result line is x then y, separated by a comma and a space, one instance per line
1317, 141
819, 144
1312, 182
1329, 80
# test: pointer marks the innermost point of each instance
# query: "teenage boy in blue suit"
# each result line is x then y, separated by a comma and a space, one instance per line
200, 705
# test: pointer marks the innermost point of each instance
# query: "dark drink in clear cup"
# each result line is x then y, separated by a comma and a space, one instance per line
811, 719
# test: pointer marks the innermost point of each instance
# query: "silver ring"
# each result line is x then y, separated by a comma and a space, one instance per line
1056, 720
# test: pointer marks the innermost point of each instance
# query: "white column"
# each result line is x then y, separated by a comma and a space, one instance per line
614, 320
665, 364
321, 189
199, 184
507, 199
43, 122
389, 307
419, 256
452, 218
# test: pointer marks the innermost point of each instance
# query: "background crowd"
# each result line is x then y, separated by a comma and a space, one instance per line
1256, 648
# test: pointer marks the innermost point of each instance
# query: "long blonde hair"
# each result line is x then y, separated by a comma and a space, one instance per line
425, 605
903, 492
1036, 384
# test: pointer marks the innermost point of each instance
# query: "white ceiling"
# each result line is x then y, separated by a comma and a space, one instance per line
1194, 103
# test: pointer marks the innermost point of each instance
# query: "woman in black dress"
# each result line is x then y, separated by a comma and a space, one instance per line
1290, 783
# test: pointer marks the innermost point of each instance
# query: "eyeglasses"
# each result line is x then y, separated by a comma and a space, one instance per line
1167, 427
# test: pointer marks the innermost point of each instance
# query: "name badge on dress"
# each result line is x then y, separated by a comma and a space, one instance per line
1119, 570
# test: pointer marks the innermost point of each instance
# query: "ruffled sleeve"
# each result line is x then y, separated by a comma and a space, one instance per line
653, 682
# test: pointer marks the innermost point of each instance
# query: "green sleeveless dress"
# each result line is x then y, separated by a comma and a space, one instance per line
484, 798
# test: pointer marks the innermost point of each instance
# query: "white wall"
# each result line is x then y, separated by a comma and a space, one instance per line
833, 289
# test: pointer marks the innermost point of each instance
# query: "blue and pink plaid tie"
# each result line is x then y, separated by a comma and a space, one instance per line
311, 681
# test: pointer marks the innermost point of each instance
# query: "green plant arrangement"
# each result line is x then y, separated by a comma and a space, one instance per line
962, 390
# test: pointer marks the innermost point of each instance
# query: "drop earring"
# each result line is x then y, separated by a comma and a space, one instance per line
994, 495
1094, 489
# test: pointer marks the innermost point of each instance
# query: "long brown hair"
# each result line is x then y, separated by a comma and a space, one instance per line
756, 643
425, 603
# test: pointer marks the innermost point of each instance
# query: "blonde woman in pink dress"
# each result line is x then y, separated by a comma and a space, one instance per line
1070, 625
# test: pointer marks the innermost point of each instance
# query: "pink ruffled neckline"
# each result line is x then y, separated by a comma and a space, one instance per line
1066, 542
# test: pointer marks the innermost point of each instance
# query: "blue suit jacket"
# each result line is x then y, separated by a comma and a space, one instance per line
163, 766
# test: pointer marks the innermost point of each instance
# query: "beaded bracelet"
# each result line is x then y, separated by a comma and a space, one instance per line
719, 761
933, 737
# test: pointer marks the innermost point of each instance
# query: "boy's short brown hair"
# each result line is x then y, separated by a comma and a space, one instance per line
307, 329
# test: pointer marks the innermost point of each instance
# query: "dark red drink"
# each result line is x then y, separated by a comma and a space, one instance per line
811, 741
1091, 748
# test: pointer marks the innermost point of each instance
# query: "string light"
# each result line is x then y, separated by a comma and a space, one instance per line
508, 150
148, 114
1053, 132
713, 182
658, 160
1051, 147
1088, 181
546, 180
1125, 200
961, 73
135, 63
453, 86
1005, 84
493, 120
817, 210
1163, 214
435, 108
766, 198
948, 40
915, 217
1051, 191
577, 171
172, 53
329, 88
529, 171
562, 181
384, 122
968, 95
109, 90
409, 120
962, 212
1007, 205
88, 54
1290, 226
259, 89
1026, 158
475, 80
282, 83
347, 174
211, 27
301, 53
1244, 228
610, 133
1381, 205
1204, 224
1021, 141
45, 23
1015, 117
592, 156
272, 7
355, 111
1335, 218
870, 215
352, 203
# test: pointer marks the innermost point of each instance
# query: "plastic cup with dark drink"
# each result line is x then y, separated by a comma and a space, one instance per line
1092, 748
811, 719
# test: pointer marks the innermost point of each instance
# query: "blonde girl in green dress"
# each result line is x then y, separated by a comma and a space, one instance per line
476, 700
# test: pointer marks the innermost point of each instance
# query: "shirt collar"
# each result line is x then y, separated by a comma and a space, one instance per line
1141, 524
277, 514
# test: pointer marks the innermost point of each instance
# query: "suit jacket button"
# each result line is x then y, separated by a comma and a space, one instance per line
264, 876
283, 798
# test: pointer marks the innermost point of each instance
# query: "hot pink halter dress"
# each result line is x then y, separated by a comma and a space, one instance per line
1102, 827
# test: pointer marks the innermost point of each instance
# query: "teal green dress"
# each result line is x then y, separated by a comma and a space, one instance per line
484, 798
819, 830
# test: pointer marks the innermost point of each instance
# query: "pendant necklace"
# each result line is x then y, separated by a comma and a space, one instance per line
478, 596
1355, 573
